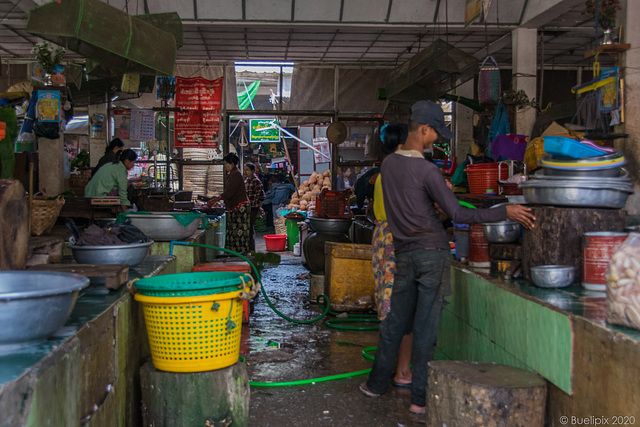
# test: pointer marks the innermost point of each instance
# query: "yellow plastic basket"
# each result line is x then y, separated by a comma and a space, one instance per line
194, 333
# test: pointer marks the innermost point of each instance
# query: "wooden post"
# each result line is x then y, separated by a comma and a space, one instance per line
484, 394
14, 225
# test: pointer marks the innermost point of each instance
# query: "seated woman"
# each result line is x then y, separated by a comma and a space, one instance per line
111, 179
345, 180
110, 154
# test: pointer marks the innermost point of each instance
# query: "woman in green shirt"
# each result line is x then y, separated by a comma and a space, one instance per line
111, 179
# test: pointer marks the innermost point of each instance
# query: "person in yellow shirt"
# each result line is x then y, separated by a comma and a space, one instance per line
384, 260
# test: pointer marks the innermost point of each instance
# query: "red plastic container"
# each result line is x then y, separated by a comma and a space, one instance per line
478, 247
484, 176
597, 249
275, 242
233, 266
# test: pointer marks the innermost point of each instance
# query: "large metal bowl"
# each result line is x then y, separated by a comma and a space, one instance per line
162, 226
132, 254
584, 194
34, 304
507, 231
325, 225
552, 276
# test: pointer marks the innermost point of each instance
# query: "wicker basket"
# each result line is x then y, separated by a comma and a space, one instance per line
44, 214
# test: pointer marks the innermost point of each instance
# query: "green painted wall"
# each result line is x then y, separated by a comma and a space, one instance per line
485, 322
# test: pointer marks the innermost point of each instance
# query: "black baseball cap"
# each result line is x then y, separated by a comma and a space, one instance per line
430, 113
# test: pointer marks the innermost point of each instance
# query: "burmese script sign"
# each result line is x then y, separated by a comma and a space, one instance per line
198, 121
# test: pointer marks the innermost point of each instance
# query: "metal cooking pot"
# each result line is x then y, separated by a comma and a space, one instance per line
552, 276
34, 304
132, 254
326, 225
502, 232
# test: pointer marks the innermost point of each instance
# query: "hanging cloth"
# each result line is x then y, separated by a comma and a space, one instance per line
500, 123
489, 81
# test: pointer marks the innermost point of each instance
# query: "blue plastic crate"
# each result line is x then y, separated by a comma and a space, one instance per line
567, 147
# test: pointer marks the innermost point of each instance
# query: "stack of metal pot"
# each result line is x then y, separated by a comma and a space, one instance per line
597, 181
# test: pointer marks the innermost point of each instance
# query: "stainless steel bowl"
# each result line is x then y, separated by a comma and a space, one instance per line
621, 176
501, 232
583, 172
34, 304
132, 254
559, 193
325, 225
615, 154
162, 226
552, 276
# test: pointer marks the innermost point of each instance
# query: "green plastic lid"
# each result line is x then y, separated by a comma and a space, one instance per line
193, 284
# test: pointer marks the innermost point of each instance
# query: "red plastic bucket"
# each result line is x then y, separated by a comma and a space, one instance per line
275, 242
597, 249
478, 247
485, 176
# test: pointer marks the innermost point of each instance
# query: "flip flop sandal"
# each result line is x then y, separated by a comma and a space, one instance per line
366, 391
400, 385
418, 411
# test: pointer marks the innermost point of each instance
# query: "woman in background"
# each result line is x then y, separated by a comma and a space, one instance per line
237, 206
255, 192
111, 179
345, 180
110, 154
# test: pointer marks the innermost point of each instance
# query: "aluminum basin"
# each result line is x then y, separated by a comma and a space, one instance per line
326, 225
162, 226
502, 232
34, 304
584, 194
552, 276
132, 254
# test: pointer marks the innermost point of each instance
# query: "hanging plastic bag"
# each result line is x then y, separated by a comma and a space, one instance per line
489, 81
623, 284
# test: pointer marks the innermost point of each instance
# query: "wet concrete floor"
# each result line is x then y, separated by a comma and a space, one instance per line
277, 350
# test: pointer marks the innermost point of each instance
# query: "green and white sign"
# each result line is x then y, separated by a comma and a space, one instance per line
260, 131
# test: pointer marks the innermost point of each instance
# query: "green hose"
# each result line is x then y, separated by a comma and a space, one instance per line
322, 298
365, 354
275, 310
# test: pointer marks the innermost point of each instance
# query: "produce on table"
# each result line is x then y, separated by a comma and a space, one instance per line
305, 197
623, 284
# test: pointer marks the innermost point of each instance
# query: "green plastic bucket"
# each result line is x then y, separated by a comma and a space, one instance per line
193, 284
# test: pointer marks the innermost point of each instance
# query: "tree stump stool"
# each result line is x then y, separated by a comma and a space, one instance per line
211, 398
484, 394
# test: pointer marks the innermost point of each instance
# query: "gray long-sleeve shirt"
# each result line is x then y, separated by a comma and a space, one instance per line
410, 188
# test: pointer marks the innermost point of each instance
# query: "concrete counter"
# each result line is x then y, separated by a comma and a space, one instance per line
89, 369
561, 334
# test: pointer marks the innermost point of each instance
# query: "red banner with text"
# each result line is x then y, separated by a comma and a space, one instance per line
198, 121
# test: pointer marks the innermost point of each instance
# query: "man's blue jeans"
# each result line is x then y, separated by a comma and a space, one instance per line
421, 282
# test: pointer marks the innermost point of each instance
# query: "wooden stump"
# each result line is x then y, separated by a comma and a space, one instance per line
557, 236
484, 394
215, 398
14, 225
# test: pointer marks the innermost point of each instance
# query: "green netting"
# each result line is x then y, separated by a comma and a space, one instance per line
192, 284
120, 42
